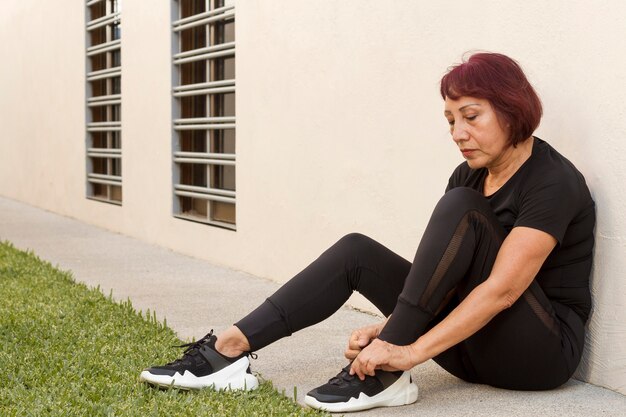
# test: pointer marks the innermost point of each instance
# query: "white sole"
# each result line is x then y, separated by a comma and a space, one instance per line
401, 392
233, 377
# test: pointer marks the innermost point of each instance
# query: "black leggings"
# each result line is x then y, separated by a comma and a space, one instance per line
536, 344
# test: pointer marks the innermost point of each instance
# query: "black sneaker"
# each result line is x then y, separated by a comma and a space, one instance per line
202, 367
347, 392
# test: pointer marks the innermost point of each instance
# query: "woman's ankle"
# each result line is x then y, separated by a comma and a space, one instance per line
232, 343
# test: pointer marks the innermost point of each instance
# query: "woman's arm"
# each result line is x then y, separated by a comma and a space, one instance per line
519, 259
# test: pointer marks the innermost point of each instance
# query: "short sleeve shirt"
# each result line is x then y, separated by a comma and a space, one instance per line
547, 193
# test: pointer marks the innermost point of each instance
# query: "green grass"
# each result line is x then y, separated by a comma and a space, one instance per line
67, 350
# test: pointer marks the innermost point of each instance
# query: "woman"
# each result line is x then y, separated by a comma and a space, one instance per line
497, 293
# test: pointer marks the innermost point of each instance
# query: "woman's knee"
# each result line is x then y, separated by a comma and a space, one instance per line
463, 195
355, 243
460, 200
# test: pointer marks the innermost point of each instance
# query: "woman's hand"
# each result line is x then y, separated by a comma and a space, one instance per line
383, 355
361, 338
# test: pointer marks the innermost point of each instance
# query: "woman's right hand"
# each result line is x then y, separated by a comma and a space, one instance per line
361, 338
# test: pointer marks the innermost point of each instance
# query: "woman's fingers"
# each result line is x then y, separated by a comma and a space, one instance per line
357, 368
353, 342
353, 348
366, 368
364, 340
380, 355
358, 340
350, 354
366, 361
366, 352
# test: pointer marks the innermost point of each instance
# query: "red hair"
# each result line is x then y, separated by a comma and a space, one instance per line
500, 80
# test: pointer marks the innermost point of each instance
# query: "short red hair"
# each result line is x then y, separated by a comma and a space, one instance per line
500, 80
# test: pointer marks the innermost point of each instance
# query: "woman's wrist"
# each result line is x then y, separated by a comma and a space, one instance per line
417, 353
380, 326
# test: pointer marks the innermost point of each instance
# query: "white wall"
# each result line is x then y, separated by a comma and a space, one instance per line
339, 126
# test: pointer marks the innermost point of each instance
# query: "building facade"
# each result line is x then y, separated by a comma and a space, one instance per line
122, 114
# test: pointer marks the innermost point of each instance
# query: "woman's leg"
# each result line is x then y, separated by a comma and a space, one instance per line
458, 239
354, 263
532, 345
461, 221
536, 344
456, 253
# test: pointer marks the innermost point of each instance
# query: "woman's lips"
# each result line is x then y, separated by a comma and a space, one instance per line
467, 152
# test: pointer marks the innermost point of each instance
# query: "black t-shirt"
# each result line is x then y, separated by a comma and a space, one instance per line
549, 194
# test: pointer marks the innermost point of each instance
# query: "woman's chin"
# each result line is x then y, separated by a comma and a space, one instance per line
474, 163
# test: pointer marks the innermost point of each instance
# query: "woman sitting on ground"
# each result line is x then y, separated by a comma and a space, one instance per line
498, 292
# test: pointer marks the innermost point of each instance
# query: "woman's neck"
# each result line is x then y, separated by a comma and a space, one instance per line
514, 158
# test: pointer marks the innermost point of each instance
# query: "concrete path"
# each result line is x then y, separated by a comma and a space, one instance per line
196, 296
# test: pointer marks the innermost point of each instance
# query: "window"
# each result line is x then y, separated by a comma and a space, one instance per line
204, 112
104, 101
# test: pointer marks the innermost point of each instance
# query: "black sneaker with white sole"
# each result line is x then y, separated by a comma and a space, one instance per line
347, 392
201, 366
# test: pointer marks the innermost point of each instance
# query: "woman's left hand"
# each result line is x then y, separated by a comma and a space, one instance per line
382, 355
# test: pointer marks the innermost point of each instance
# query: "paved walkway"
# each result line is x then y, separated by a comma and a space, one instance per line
196, 296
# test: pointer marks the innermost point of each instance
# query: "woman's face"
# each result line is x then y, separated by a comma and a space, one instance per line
476, 130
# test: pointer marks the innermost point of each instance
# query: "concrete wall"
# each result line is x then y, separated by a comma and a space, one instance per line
339, 126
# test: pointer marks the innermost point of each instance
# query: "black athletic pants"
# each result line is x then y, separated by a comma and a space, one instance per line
536, 344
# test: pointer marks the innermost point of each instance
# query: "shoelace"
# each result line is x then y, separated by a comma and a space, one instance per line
190, 348
193, 346
343, 376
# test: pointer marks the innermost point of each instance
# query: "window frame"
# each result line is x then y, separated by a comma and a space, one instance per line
105, 129
207, 129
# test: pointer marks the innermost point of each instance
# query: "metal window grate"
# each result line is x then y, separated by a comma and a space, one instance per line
104, 101
204, 112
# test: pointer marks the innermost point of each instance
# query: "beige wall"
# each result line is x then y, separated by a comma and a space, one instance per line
339, 126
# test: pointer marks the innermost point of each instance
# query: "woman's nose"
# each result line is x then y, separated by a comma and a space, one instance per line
459, 133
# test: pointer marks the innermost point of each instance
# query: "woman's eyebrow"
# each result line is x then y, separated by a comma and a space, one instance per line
446, 112
467, 105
